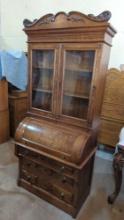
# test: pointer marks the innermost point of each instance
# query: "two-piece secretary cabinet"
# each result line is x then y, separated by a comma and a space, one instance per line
68, 57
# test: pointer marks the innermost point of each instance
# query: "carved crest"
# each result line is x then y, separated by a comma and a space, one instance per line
70, 17
104, 16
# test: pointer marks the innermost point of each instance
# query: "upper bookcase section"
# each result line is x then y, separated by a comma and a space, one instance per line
73, 22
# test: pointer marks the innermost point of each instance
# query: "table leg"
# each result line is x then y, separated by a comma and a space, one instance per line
117, 165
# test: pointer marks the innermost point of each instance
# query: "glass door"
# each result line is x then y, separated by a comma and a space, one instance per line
77, 78
42, 81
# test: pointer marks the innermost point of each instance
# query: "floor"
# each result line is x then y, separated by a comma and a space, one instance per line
17, 203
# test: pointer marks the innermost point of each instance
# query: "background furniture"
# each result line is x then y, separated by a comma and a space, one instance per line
112, 114
68, 57
4, 113
118, 164
17, 108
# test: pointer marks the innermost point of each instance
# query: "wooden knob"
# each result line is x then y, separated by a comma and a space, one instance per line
20, 154
28, 164
62, 195
36, 165
24, 171
26, 152
35, 178
28, 178
62, 168
64, 179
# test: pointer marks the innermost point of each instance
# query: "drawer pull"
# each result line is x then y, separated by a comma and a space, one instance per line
64, 179
20, 155
26, 152
28, 164
62, 169
32, 179
36, 165
28, 178
24, 172
62, 195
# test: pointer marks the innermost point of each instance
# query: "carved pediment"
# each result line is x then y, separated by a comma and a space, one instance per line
69, 19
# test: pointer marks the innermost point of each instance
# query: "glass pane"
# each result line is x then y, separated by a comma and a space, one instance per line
77, 82
42, 79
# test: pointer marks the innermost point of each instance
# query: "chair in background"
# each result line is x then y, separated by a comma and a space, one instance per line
118, 164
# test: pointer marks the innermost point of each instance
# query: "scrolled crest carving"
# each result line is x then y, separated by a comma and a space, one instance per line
70, 17
75, 17
104, 16
28, 23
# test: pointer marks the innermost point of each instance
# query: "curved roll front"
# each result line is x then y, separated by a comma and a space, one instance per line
66, 143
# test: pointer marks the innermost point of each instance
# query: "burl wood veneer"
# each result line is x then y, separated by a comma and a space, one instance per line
68, 58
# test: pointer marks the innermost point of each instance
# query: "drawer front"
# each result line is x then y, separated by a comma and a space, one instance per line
60, 168
46, 174
49, 180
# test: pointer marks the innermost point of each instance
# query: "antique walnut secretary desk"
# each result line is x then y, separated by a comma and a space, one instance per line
56, 142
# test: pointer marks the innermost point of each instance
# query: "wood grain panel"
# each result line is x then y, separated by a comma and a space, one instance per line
112, 113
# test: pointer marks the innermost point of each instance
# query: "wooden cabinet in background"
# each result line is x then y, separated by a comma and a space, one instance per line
68, 57
112, 115
17, 109
4, 112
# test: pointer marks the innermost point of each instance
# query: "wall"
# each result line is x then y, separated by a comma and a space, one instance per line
0, 27
13, 12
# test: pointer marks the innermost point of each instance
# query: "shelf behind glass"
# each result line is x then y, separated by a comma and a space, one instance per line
43, 67
76, 95
77, 85
42, 80
42, 90
42, 100
75, 107
43, 59
82, 70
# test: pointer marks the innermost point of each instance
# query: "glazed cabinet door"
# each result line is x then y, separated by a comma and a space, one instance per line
77, 76
43, 68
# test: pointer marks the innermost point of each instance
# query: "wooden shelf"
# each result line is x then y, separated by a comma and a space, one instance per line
76, 95
42, 90
43, 67
79, 70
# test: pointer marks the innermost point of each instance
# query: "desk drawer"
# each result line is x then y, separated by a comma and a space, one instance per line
49, 163
42, 177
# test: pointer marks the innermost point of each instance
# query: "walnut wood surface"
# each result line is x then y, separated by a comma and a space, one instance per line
56, 143
71, 16
62, 185
68, 143
62, 35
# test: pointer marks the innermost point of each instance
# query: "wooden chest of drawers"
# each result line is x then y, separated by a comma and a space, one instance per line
4, 112
56, 169
64, 185
17, 109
